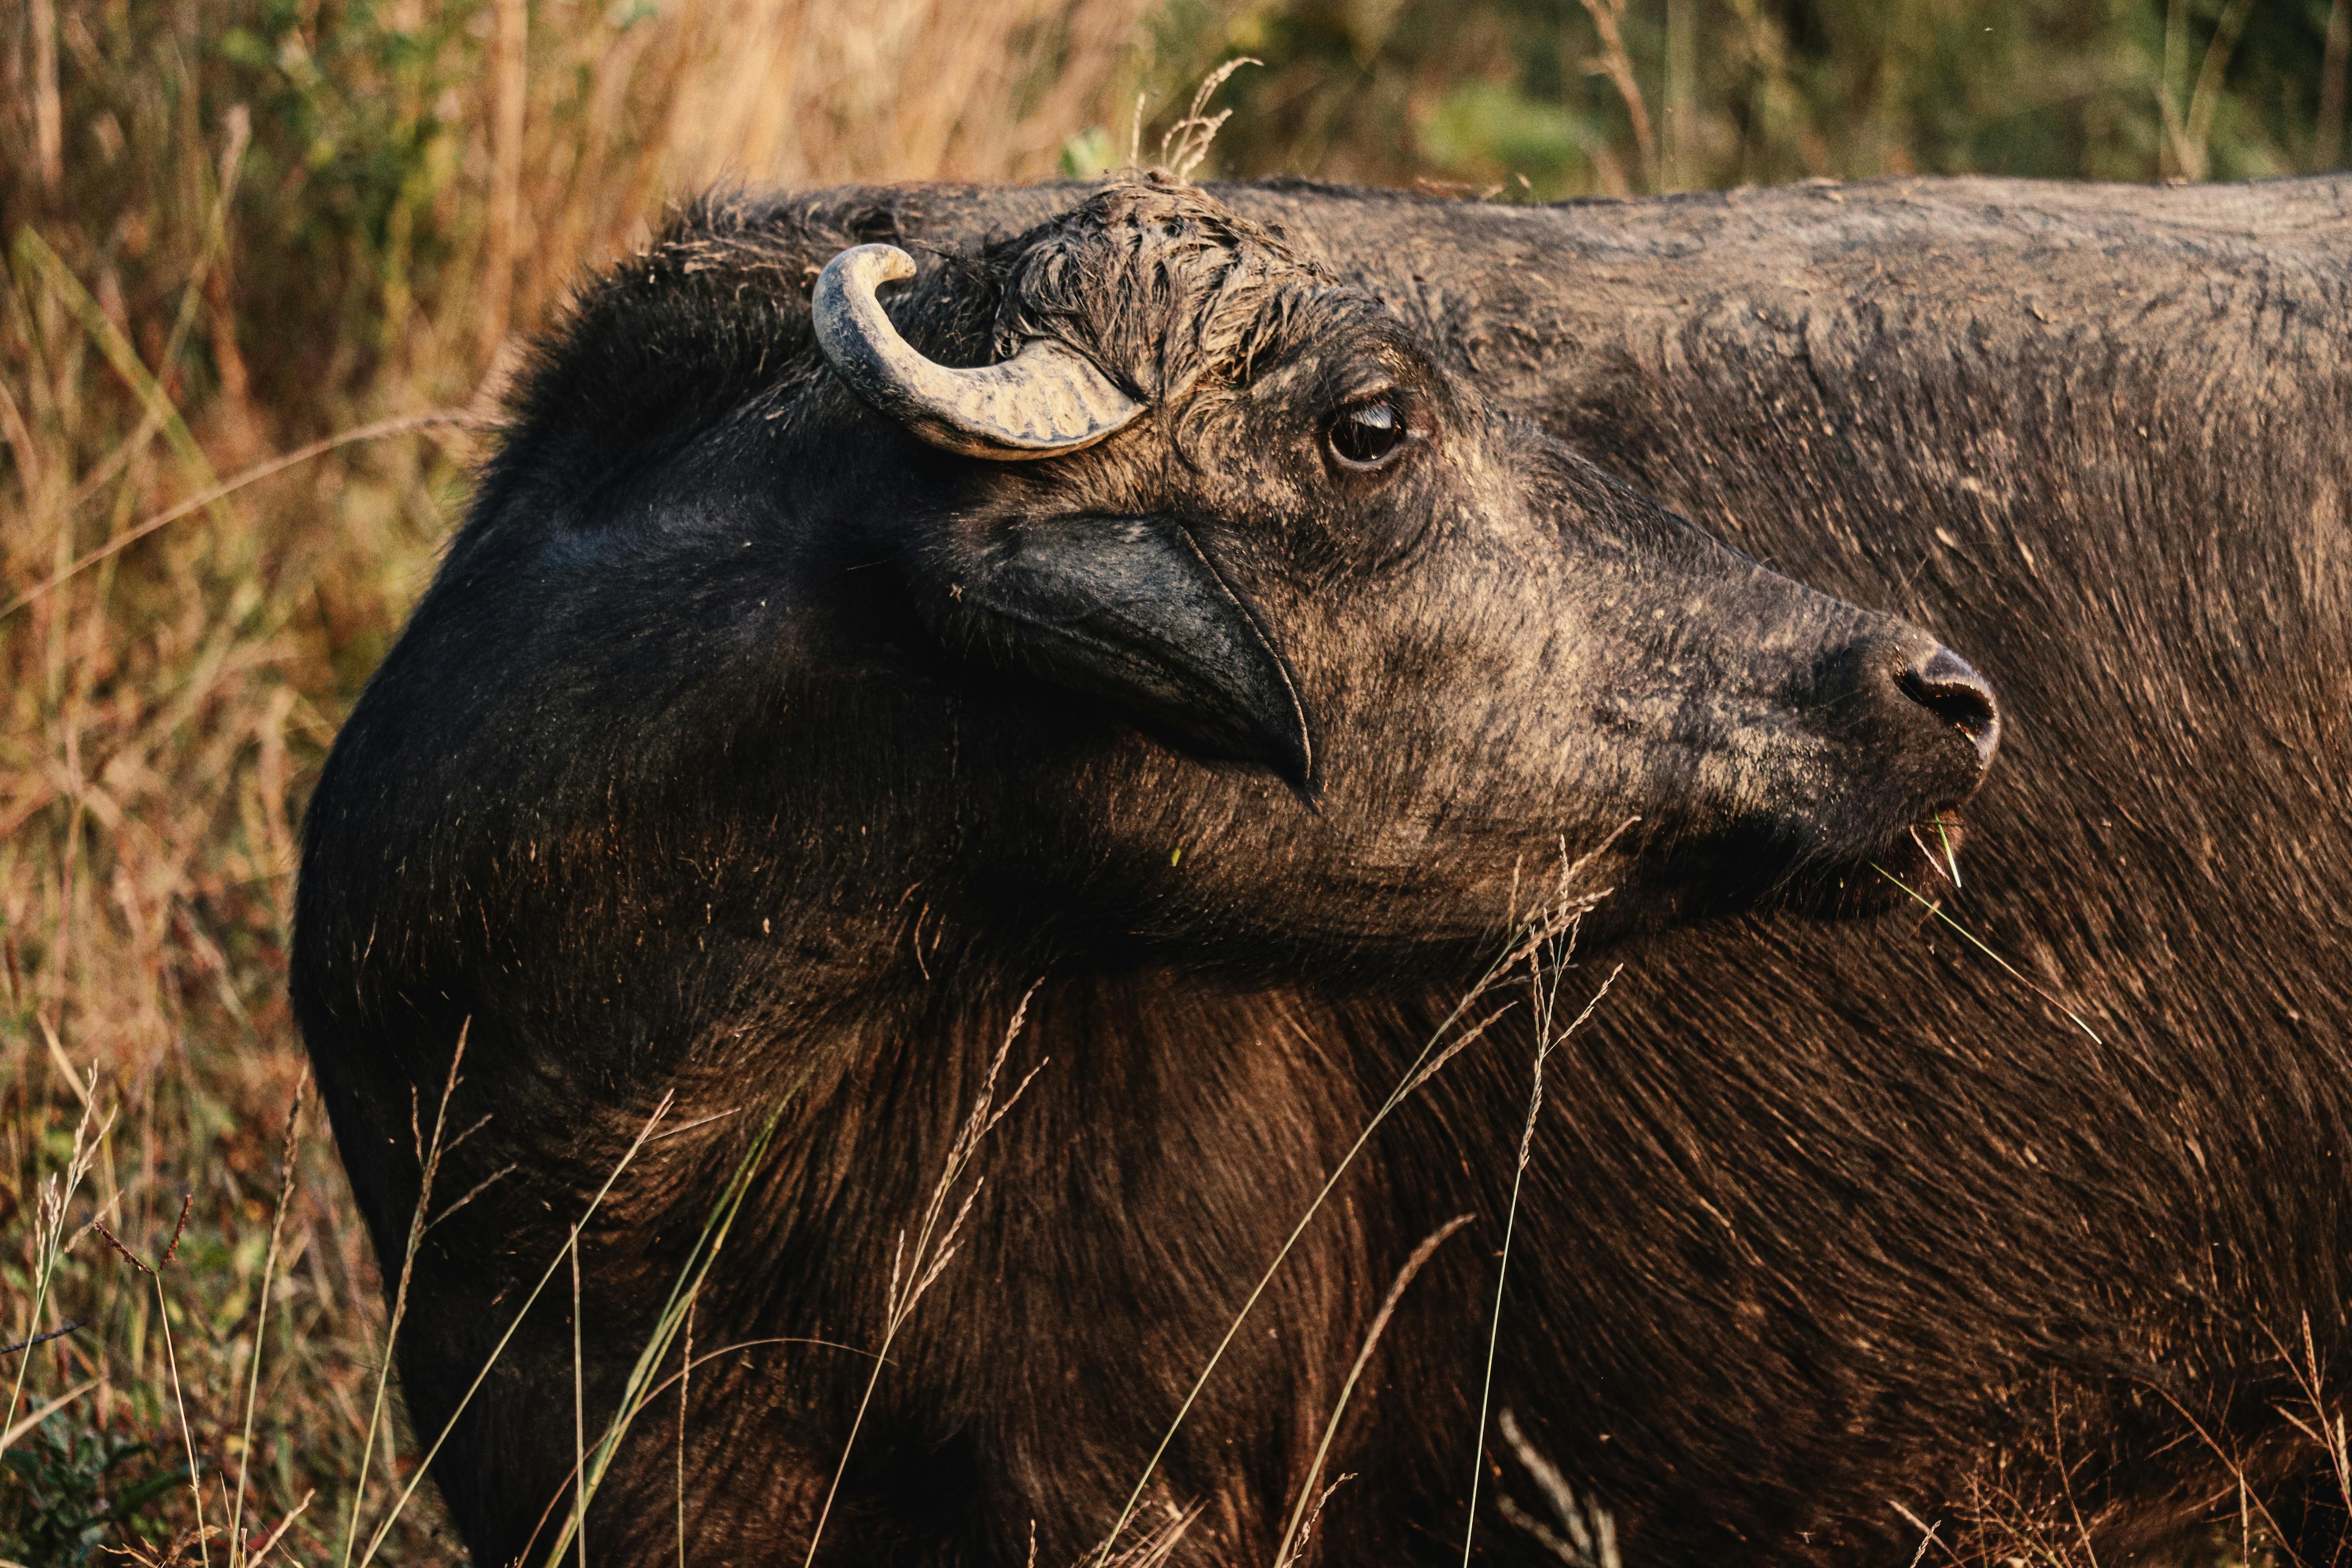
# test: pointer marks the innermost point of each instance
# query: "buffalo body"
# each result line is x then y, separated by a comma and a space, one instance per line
1832, 1226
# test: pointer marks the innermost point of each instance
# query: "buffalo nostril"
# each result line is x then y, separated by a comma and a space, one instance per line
1946, 685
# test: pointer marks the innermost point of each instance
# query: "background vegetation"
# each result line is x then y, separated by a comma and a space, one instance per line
241, 231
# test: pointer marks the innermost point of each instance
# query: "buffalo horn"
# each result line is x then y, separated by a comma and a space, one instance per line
1044, 400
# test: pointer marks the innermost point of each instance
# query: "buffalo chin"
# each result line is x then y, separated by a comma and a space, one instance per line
1916, 867
1796, 872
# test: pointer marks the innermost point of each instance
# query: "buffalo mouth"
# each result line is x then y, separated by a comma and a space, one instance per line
1918, 863
1920, 866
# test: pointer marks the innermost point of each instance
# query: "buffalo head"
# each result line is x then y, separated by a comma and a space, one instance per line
1278, 532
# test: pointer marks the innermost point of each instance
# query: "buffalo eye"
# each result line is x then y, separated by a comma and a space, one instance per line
1366, 435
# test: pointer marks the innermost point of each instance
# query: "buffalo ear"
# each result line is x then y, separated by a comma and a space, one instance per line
1128, 609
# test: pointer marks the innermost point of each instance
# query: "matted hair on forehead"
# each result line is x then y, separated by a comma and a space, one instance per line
1158, 283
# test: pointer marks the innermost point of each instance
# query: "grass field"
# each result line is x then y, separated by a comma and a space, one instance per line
267, 262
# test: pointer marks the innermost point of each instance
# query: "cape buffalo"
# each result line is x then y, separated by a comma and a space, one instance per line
772, 729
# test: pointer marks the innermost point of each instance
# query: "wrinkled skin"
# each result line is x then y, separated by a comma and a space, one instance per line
689, 774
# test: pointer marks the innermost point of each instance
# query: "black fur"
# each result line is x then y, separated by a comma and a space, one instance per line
694, 771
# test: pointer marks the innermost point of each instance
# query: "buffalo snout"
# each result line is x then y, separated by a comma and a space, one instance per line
1917, 728
1920, 721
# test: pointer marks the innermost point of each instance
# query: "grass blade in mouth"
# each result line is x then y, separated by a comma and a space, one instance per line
1936, 909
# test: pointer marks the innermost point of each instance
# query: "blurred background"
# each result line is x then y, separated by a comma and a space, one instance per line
265, 264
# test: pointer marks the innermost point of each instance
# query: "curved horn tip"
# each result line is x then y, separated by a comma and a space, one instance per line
889, 264
1043, 401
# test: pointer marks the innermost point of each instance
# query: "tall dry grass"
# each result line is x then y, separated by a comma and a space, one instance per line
238, 231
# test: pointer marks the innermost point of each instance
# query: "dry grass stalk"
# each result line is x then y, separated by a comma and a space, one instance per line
173, 1554
2327, 138
439, 417
509, 77
2207, 96
55, 1195
1935, 907
429, 1155
269, 1542
579, 1415
200, 1534
1616, 62
41, 1413
684, 1389
1306, 1537
568, 1252
2188, 136
1586, 1538
2311, 1381
1155, 1546
48, 122
1536, 931
1184, 146
912, 1273
1547, 968
1930, 1535
1295, 1535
